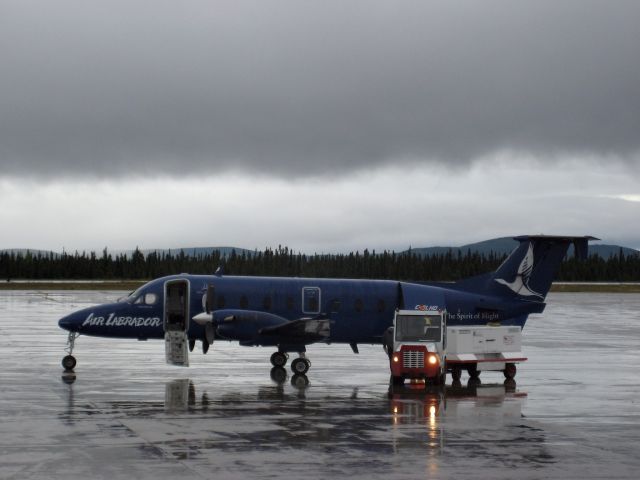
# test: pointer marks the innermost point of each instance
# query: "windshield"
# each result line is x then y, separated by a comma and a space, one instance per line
139, 298
418, 328
131, 297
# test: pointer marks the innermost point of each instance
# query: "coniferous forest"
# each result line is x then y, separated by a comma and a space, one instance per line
284, 262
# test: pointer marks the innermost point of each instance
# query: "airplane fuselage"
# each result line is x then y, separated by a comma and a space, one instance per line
359, 311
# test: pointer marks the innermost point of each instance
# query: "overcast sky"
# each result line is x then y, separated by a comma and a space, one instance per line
324, 126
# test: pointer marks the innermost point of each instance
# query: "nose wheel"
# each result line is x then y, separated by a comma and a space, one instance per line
69, 361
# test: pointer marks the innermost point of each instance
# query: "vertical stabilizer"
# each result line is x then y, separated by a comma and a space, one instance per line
529, 270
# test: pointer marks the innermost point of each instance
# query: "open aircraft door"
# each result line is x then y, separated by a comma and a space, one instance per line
176, 322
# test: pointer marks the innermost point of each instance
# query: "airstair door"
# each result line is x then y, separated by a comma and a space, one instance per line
176, 322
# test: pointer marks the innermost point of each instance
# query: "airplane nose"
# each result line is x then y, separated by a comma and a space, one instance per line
69, 323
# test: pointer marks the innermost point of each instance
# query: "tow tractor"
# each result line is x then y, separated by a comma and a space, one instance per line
421, 347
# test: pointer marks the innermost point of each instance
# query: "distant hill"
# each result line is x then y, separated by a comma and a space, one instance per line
504, 245
189, 252
606, 251
499, 246
195, 251
32, 251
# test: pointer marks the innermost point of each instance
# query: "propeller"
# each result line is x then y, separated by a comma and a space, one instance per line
206, 318
211, 291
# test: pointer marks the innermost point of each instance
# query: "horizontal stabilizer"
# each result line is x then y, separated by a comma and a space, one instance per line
580, 244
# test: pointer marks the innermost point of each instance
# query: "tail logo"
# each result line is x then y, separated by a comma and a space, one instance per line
521, 283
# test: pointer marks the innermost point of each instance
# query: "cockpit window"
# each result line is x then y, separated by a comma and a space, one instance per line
137, 297
150, 298
133, 296
145, 299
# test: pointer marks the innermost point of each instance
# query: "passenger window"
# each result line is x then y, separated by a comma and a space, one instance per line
290, 304
335, 306
380, 306
358, 305
266, 303
220, 301
244, 303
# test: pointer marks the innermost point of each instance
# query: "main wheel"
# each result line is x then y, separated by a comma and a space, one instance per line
279, 359
456, 373
510, 370
300, 366
69, 362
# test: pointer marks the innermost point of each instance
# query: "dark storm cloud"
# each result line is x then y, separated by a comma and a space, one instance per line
297, 88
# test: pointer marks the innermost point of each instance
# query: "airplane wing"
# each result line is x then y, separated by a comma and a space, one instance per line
244, 324
304, 330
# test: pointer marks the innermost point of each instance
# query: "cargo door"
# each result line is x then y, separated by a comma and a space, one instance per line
176, 322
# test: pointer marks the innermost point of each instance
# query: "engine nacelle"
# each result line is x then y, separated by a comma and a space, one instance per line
242, 325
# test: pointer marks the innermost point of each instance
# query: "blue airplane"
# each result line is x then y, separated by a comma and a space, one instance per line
290, 313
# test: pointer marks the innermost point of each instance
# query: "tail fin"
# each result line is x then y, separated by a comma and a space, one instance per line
530, 269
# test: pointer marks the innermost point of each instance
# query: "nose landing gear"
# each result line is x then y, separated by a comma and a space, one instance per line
69, 361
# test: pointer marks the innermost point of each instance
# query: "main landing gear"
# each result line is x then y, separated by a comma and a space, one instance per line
299, 366
69, 361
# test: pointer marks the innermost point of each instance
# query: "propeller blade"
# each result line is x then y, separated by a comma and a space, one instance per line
209, 333
211, 290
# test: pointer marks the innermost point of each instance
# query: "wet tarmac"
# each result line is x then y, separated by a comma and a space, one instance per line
574, 413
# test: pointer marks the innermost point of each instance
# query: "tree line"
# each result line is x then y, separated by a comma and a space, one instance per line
282, 261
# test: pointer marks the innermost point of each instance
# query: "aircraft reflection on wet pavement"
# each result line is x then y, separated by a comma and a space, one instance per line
188, 424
